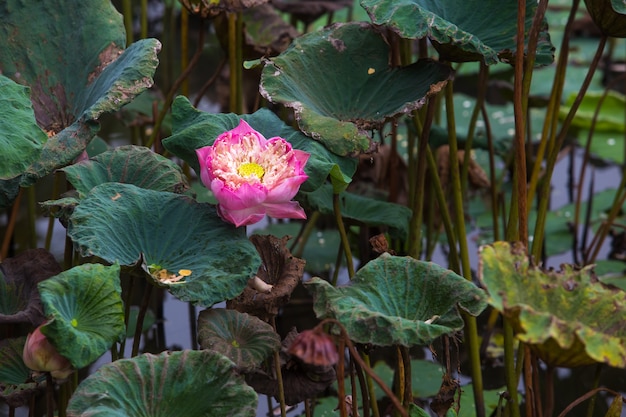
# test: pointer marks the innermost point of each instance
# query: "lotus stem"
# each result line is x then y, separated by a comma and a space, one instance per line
140, 316
52, 219
193, 328
596, 383
32, 211
127, 11
345, 243
8, 235
341, 378
355, 395
400, 377
170, 95
370, 387
471, 328
49, 395
279, 378
184, 48
368, 370
509, 369
551, 161
234, 56
586, 396
551, 120
299, 243
143, 31
363, 383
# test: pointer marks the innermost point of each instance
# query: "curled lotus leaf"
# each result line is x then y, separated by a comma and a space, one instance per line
567, 317
280, 273
462, 30
19, 276
211, 8
396, 300
339, 83
308, 11
74, 76
85, 311
184, 383
184, 245
244, 339
609, 16
14, 388
193, 129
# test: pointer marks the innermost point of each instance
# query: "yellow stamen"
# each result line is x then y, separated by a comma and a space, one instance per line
250, 168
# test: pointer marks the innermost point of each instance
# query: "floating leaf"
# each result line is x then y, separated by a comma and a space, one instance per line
339, 83
74, 76
462, 30
13, 373
184, 383
194, 129
21, 139
280, 271
19, 276
363, 209
610, 117
244, 339
86, 313
567, 316
396, 300
124, 223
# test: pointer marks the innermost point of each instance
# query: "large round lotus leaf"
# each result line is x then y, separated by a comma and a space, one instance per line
14, 389
567, 316
193, 129
21, 139
172, 233
397, 300
339, 83
187, 383
19, 276
129, 164
462, 30
72, 58
86, 312
244, 339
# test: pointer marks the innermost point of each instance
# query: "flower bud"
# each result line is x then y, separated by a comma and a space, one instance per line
314, 347
39, 355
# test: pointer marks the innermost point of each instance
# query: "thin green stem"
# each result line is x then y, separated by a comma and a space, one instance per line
370, 388
509, 369
471, 328
596, 384
279, 378
341, 379
345, 243
551, 161
127, 11
143, 20
140, 317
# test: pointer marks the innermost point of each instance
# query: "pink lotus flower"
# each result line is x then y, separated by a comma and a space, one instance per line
40, 355
252, 176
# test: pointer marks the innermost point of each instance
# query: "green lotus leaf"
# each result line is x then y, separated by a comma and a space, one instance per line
397, 300
363, 209
74, 75
339, 83
184, 383
462, 30
19, 276
567, 316
194, 129
136, 165
86, 312
244, 339
14, 389
169, 233
21, 139
619, 6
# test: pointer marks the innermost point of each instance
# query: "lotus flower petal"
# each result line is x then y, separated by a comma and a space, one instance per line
251, 176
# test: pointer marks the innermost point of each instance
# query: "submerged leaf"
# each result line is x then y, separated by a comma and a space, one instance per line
86, 313
169, 232
185, 383
397, 300
567, 316
339, 83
